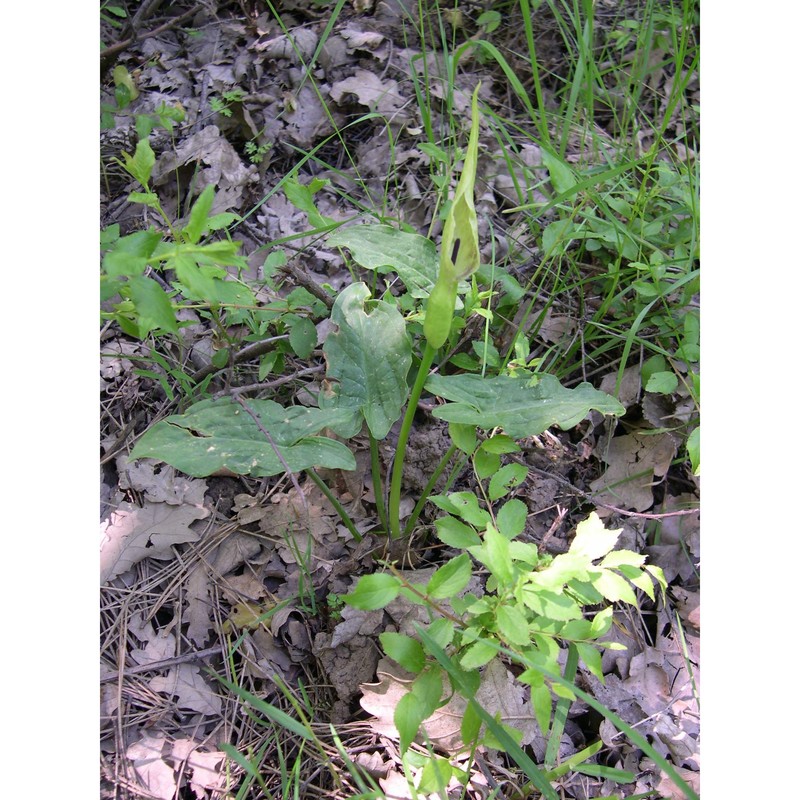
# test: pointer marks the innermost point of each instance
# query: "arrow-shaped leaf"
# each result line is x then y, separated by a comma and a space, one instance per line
368, 358
516, 406
219, 434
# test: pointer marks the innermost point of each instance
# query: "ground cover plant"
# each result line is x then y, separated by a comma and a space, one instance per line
400, 385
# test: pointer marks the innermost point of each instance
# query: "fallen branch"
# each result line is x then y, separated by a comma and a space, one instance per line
108, 56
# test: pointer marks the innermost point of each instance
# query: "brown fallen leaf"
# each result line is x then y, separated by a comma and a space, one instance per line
156, 775
185, 682
499, 693
206, 767
131, 534
634, 461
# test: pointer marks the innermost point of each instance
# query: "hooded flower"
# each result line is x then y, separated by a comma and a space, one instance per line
459, 256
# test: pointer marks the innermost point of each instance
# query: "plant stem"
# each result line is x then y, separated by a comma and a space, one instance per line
445, 460
405, 431
562, 707
377, 483
343, 515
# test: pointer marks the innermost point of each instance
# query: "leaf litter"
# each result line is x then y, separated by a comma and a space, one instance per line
174, 572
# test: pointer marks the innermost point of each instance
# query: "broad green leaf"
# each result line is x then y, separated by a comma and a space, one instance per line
373, 592
542, 701
223, 220
385, 249
477, 654
222, 253
451, 578
219, 434
408, 716
592, 539
140, 164
198, 218
407, 652
302, 196
149, 199
601, 622
656, 363
505, 479
442, 630
153, 306
470, 724
513, 625
662, 383
455, 533
642, 581
368, 358
618, 558
463, 437
485, 464
576, 629
561, 176
511, 518
558, 234
551, 605
693, 449
435, 776
129, 254
197, 283
122, 78
495, 555
465, 504
563, 569
303, 336
614, 587
501, 444
658, 575
516, 406
523, 551
427, 688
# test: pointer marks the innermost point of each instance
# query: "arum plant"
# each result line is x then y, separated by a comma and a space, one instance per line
368, 355
459, 257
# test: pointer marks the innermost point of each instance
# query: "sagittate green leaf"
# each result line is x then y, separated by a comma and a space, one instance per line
516, 406
219, 434
368, 357
386, 249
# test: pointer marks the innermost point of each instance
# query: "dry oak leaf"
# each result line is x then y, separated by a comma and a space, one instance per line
187, 684
634, 461
499, 694
132, 534
156, 776
206, 767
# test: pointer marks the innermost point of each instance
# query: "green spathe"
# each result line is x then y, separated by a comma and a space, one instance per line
459, 256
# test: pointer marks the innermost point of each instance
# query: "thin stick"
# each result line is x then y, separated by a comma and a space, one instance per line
591, 498
278, 453
343, 515
155, 666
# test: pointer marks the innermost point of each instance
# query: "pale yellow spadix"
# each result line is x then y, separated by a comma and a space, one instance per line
459, 256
